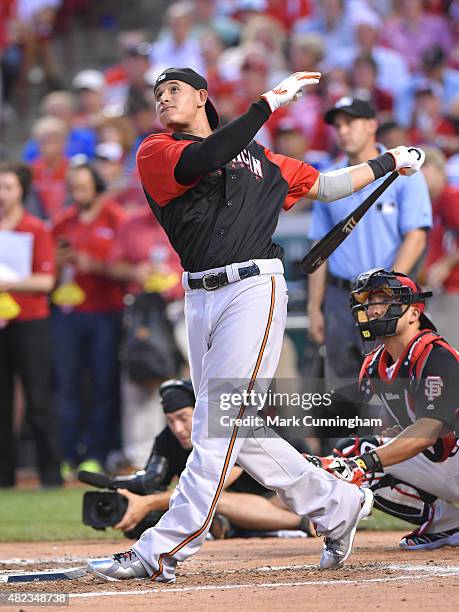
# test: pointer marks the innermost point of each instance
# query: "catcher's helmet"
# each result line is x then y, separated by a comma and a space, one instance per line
401, 292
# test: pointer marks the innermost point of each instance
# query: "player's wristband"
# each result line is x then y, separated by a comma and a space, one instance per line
372, 461
382, 164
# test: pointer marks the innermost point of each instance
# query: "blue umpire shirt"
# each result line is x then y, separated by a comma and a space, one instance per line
374, 243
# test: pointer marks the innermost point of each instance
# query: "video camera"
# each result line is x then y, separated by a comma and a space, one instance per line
106, 508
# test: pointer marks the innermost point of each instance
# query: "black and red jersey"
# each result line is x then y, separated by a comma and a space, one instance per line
424, 383
228, 215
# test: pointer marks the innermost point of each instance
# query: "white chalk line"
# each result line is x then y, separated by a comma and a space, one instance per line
20, 561
431, 569
266, 585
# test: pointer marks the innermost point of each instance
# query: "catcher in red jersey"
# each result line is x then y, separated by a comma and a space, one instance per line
414, 372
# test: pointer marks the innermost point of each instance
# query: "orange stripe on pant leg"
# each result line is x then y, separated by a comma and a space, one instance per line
221, 482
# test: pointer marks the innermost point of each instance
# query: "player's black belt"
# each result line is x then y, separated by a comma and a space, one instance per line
213, 281
341, 283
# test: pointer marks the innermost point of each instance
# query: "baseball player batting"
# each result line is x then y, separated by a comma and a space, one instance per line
218, 194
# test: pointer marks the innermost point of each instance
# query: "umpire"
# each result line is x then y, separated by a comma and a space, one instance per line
392, 235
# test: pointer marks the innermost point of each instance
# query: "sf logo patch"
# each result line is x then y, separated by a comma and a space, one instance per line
433, 387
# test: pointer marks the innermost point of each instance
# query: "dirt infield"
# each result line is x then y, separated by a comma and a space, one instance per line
255, 574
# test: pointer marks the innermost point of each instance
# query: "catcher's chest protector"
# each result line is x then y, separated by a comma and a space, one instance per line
397, 392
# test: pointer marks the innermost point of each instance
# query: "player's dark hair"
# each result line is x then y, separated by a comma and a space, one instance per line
23, 174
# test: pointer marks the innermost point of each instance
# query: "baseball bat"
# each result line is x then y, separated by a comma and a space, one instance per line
329, 243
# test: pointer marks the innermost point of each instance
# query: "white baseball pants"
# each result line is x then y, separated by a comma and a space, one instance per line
440, 479
236, 332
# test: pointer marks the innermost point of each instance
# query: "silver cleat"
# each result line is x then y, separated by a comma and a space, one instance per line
335, 552
120, 566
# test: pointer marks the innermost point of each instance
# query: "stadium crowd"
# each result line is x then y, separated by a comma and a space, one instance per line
95, 245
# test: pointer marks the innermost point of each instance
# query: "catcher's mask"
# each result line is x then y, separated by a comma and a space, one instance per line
394, 290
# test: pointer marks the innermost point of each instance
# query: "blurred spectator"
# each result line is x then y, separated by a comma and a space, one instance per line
364, 76
89, 86
81, 140
288, 12
126, 79
49, 170
143, 122
391, 134
392, 235
266, 34
121, 130
175, 45
453, 15
435, 74
211, 51
290, 139
337, 85
116, 129
306, 52
11, 55
429, 126
412, 31
262, 36
252, 83
38, 17
27, 273
87, 321
452, 169
332, 21
70, 10
142, 118
109, 164
392, 69
207, 18
244, 10
143, 257
442, 264
226, 101
119, 187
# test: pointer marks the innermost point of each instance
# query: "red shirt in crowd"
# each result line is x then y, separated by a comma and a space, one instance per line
35, 305
287, 12
444, 127
7, 12
141, 239
50, 185
444, 237
96, 240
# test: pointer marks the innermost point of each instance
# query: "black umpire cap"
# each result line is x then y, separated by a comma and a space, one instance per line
190, 76
354, 107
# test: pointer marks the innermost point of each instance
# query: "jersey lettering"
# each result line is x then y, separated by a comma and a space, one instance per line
252, 163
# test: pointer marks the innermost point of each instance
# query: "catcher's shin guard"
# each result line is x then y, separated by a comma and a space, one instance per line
404, 501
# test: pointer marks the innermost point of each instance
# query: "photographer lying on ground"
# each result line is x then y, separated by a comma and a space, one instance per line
244, 505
